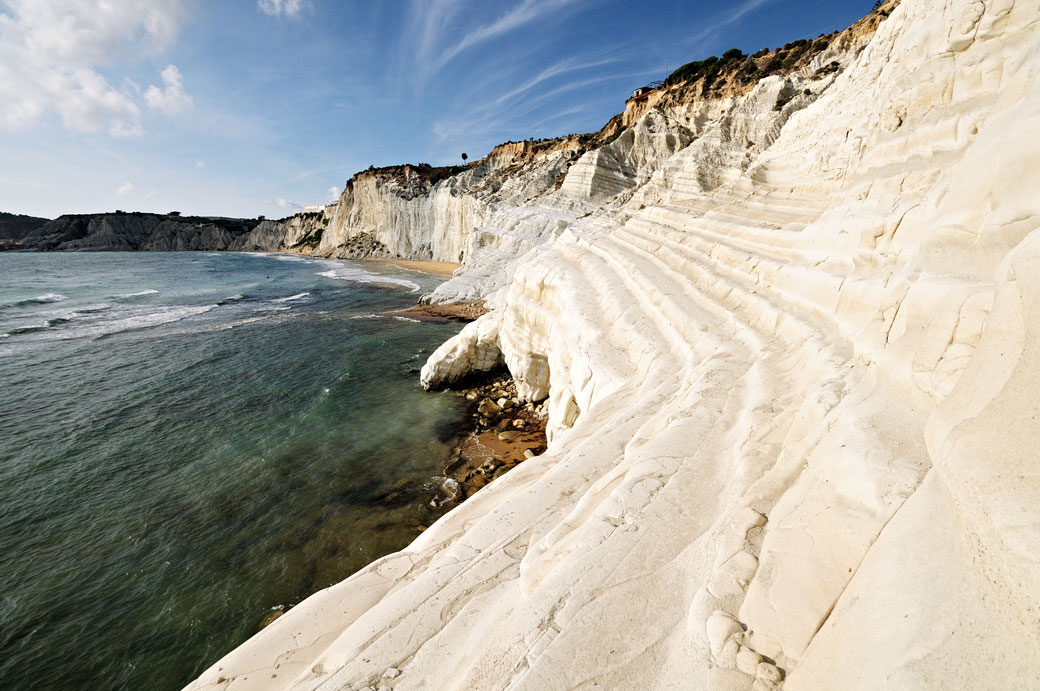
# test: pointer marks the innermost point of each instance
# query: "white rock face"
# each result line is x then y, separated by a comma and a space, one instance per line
411, 217
793, 411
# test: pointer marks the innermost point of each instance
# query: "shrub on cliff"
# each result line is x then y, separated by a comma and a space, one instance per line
692, 71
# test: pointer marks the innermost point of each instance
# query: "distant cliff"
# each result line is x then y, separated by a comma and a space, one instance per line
14, 227
140, 231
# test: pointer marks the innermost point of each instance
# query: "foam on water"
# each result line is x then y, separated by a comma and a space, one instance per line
148, 320
292, 298
138, 294
356, 275
38, 300
290, 258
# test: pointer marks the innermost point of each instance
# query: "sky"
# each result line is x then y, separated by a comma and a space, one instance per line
259, 107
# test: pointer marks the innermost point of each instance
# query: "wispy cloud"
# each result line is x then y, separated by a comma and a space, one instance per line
526, 12
125, 189
333, 194
515, 104
289, 8
288, 205
560, 68
443, 36
734, 15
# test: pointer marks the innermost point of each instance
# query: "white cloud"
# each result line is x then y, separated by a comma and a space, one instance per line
125, 189
524, 13
200, 164
171, 99
733, 15
289, 8
288, 205
333, 194
441, 38
50, 52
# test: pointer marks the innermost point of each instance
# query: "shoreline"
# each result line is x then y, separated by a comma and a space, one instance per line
505, 433
446, 269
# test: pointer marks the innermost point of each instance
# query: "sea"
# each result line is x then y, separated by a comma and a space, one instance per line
190, 442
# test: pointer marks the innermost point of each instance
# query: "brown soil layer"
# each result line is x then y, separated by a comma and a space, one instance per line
453, 312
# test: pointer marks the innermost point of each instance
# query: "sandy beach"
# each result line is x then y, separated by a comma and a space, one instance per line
435, 268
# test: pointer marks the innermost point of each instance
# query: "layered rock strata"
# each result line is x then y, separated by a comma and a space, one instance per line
792, 392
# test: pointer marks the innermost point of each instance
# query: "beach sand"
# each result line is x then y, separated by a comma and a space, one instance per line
435, 268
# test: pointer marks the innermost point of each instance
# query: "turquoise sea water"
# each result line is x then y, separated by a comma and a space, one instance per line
188, 440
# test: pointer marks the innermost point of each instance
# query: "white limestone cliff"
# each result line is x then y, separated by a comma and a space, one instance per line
793, 407
427, 213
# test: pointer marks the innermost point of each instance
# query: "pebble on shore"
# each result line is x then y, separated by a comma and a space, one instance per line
506, 433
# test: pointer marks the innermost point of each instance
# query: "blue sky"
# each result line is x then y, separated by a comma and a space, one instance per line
249, 107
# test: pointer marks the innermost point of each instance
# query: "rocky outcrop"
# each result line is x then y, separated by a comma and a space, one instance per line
792, 390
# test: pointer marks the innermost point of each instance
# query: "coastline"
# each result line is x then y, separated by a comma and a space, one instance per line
446, 269
505, 433
464, 312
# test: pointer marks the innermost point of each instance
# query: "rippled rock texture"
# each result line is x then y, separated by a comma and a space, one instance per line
790, 346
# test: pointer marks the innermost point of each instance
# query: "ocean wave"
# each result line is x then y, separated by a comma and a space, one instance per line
349, 273
289, 258
38, 300
150, 320
68, 326
282, 257
93, 309
291, 298
253, 320
27, 329
385, 316
232, 298
131, 296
